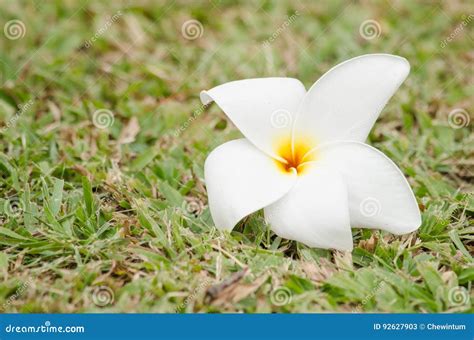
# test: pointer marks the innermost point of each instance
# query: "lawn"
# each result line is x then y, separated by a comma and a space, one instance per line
103, 206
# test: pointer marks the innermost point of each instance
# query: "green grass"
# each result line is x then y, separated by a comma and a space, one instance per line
88, 214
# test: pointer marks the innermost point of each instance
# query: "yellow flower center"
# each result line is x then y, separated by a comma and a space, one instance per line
297, 156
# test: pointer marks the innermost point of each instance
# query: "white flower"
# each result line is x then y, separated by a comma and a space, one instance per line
313, 175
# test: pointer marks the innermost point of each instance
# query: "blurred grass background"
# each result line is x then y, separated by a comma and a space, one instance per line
114, 217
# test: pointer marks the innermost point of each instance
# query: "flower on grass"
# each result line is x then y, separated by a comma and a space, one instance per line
304, 160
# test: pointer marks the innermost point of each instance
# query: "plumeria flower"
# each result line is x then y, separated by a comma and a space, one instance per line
304, 160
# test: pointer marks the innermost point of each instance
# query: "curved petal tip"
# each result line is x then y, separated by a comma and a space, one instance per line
205, 98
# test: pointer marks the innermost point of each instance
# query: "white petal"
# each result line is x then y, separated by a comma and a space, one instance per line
262, 109
240, 179
379, 195
315, 211
345, 102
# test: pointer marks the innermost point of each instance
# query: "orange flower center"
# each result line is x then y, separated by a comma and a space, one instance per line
296, 157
